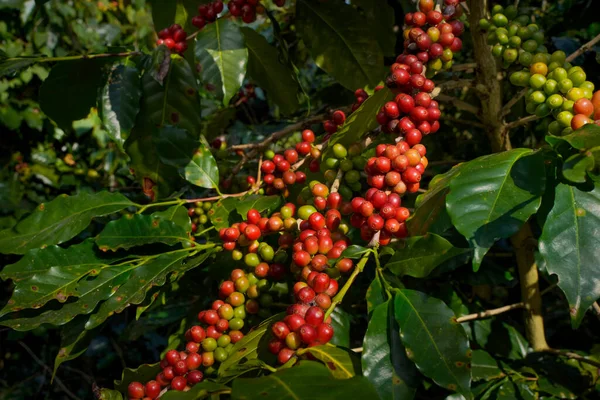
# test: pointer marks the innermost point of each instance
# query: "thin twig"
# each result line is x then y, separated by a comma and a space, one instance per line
463, 67
507, 107
463, 121
596, 308
461, 105
357, 350
336, 183
489, 313
574, 356
522, 121
583, 48
47, 368
457, 84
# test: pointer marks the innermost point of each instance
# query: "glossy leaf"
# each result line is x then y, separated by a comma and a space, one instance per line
176, 214
177, 148
341, 363
341, 42
375, 294
434, 341
175, 103
260, 203
431, 205
585, 138
138, 230
384, 359
303, 382
69, 92
570, 245
340, 321
143, 373
494, 195
576, 167
119, 102
199, 391
59, 220
221, 52
355, 251
276, 78
109, 394
221, 212
484, 366
420, 255
360, 122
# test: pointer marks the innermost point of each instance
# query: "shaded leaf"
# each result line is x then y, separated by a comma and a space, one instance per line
221, 52
59, 220
340, 321
176, 214
484, 366
434, 341
341, 42
199, 391
570, 245
260, 203
420, 255
584, 138
74, 342
341, 363
375, 294
384, 359
576, 167
494, 195
10, 66
355, 251
143, 373
221, 212
380, 17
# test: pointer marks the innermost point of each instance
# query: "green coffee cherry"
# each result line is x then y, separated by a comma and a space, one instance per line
221, 355
306, 211
235, 324
251, 260
209, 344
339, 150
537, 81
555, 101
223, 340
564, 118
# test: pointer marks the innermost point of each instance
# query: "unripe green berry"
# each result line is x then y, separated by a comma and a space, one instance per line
236, 324
339, 151
537, 81
564, 118
223, 340
237, 255
221, 355
306, 211
239, 312
267, 253
346, 165
251, 259
209, 344
554, 101
332, 163
269, 154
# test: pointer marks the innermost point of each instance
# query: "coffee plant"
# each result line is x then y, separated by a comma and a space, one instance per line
287, 207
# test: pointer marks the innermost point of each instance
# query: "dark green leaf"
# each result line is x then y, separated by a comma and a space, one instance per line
119, 102
10, 66
174, 103
259, 203
494, 195
570, 245
360, 122
576, 167
484, 367
341, 42
59, 220
431, 205
221, 52
163, 13
375, 294
138, 230
340, 321
355, 251
143, 373
266, 67
178, 215
70, 90
201, 390
342, 363
584, 138
160, 64
74, 342
303, 382
380, 17
419, 255
220, 213
384, 359
434, 341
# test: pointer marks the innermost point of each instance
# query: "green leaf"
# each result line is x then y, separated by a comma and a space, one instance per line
420, 255
584, 138
178, 215
138, 230
59, 220
74, 342
434, 341
266, 67
355, 251
221, 212
576, 167
177, 148
305, 381
384, 359
143, 373
109, 394
360, 122
342, 363
160, 64
570, 245
119, 102
163, 13
200, 390
70, 90
222, 54
494, 195
10, 66
260, 203
484, 367
174, 103
151, 273
431, 205
340, 321
380, 17
341, 42
375, 295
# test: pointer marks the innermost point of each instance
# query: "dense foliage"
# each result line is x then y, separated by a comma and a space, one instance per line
299, 199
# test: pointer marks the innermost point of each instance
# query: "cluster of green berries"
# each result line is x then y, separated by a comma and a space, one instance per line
199, 215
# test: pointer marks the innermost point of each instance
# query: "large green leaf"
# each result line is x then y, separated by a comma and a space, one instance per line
9, 66
485, 367
74, 341
431, 205
52, 273
259, 203
360, 122
138, 230
163, 13
221, 52
576, 167
70, 90
178, 148
375, 295
178, 215
570, 244
494, 195
585, 138
199, 391
176, 103
342, 363
222, 212
434, 341
59, 220
119, 102
384, 359
419, 255
341, 42
340, 321
307, 380
381, 18
266, 67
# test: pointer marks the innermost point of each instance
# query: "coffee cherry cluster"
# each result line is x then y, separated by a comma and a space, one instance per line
243, 8
331, 126
347, 164
433, 36
174, 37
207, 13
199, 215
361, 95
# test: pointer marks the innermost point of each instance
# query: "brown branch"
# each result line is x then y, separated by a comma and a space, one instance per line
583, 49
522, 121
489, 313
457, 84
336, 183
461, 105
462, 121
573, 356
223, 196
464, 67
508, 106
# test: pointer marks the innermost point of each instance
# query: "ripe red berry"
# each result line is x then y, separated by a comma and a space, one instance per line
178, 383
339, 117
135, 390
324, 333
308, 333
194, 377
152, 389
280, 330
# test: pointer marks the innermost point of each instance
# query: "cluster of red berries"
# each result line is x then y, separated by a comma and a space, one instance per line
207, 13
361, 95
243, 8
433, 36
174, 37
338, 117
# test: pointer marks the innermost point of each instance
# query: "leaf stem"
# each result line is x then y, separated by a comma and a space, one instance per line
340, 296
160, 204
79, 57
